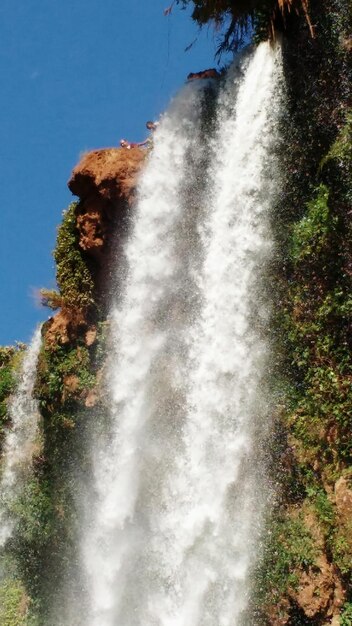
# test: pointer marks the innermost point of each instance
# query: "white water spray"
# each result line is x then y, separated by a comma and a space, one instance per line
21, 438
147, 344
178, 492
213, 502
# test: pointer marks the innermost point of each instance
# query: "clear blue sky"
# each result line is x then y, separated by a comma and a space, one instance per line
75, 75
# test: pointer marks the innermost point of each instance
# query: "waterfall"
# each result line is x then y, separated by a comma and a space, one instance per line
21, 438
178, 494
213, 502
148, 343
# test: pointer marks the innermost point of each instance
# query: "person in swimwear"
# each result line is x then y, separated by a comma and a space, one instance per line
130, 144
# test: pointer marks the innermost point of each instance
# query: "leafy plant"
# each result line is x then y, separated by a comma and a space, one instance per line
73, 275
289, 548
238, 18
51, 299
310, 234
346, 615
14, 604
10, 358
7, 384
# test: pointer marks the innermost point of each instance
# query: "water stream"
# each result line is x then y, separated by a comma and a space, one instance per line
179, 486
21, 438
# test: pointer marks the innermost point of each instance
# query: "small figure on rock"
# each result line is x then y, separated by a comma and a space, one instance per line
130, 144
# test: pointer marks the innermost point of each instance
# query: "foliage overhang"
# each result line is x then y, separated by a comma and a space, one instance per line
237, 18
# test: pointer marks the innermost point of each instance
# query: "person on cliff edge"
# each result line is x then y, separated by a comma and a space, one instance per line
130, 144
152, 125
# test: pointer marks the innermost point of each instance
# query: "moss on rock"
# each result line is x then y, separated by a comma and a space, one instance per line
73, 276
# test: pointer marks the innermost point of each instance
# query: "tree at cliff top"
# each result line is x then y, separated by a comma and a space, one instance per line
238, 17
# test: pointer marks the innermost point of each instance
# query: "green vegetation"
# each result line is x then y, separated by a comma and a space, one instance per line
51, 298
73, 275
7, 383
317, 314
46, 510
310, 234
341, 548
312, 320
289, 548
10, 358
238, 18
57, 365
43, 546
341, 150
346, 615
45, 541
14, 604
313, 328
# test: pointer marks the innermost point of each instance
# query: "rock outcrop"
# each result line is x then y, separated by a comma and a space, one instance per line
64, 327
105, 182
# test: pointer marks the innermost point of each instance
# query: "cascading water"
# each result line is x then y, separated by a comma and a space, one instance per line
213, 502
21, 438
178, 494
148, 343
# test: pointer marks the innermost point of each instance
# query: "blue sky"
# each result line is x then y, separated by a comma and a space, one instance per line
75, 75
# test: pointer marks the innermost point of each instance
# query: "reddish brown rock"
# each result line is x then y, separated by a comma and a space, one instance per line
105, 182
24, 605
315, 590
71, 386
211, 73
90, 336
92, 224
71, 383
64, 327
319, 590
278, 614
110, 173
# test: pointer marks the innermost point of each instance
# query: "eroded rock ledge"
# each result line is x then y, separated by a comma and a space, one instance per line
105, 182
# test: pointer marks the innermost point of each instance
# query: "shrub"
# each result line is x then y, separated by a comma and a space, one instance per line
346, 615
310, 234
51, 299
289, 548
73, 275
14, 604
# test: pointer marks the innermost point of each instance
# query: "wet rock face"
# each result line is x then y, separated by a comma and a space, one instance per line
105, 182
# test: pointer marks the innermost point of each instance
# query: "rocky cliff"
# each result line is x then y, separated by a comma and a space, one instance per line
304, 575
306, 570
90, 236
69, 382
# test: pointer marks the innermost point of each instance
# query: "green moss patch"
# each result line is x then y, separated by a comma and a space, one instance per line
73, 276
14, 604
